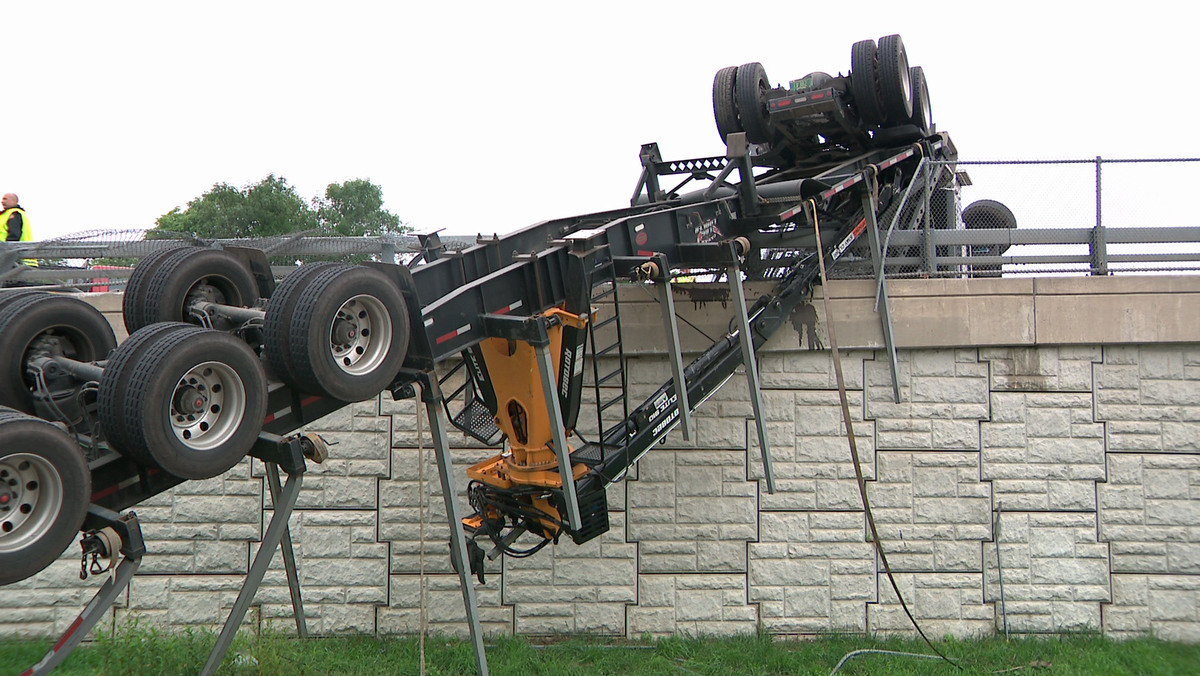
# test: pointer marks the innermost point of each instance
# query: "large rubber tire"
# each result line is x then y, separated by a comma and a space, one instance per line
195, 401
135, 289
895, 84
922, 114
82, 332
45, 488
725, 103
208, 274
7, 296
988, 214
277, 324
864, 83
752, 90
115, 383
349, 333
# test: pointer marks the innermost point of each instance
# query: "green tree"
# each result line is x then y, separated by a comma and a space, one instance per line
269, 207
355, 208
272, 207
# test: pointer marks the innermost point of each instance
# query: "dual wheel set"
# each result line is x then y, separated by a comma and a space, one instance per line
885, 91
186, 393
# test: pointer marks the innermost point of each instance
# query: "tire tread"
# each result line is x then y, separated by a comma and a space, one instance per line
725, 102
863, 76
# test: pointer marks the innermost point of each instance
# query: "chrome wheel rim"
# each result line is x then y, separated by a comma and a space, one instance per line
207, 405
31, 498
360, 335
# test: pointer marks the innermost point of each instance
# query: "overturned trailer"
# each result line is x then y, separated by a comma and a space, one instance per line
222, 361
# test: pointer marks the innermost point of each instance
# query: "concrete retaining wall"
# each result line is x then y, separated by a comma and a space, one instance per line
1047, 437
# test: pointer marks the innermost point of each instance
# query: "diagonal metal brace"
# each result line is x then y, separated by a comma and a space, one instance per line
97, 609
666, 297
657, 269
272, 539
870, 205
431, 395
748, 358
289, 555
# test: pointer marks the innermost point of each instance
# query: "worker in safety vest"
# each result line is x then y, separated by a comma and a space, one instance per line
14, 224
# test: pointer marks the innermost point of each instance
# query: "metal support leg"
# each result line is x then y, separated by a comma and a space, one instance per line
747, 190
929, 261
739, 306
431, 394
558, 429
720, 179
1098, 249
95, 610
885, 311
667, 303
271, 539
289, 557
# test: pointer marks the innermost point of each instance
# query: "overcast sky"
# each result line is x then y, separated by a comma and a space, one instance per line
487, 117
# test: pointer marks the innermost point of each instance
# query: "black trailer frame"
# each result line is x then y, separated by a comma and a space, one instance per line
761, 227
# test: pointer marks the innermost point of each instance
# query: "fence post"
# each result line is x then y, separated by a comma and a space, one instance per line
928, 252
1096, 244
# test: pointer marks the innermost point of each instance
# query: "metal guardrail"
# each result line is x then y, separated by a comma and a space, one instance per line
928, 234
953, 252
925, 236
101, 245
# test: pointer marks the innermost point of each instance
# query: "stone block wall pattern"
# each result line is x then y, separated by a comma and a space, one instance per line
1052, 485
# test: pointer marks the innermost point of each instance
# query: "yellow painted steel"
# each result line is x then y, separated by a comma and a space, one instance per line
522, 413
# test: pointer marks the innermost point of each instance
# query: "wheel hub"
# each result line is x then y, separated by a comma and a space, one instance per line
205, 292
208, 405
360, 335
31, 495
344, 333
190, 400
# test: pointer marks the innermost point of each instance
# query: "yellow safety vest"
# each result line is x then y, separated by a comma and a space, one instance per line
26, 233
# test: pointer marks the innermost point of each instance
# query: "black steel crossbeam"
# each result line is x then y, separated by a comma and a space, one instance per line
453, 269
119, 483
659, 414
534, 283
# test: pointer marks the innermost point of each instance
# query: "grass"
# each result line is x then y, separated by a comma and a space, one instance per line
144, 651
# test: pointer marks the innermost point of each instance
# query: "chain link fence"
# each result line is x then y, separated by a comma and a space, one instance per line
1020, 217
102, 260
954, 219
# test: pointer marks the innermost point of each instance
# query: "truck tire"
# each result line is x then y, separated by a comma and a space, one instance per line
349, 333
135, 289
922, 114
115, 383
195, 401
725, 103
45, 488
864, 83
895, 84
277, 343
195, 274
66, 325
751, 90
8, 296
988, 214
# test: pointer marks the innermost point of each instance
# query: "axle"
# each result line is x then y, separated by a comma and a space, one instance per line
52, 367
234, 312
